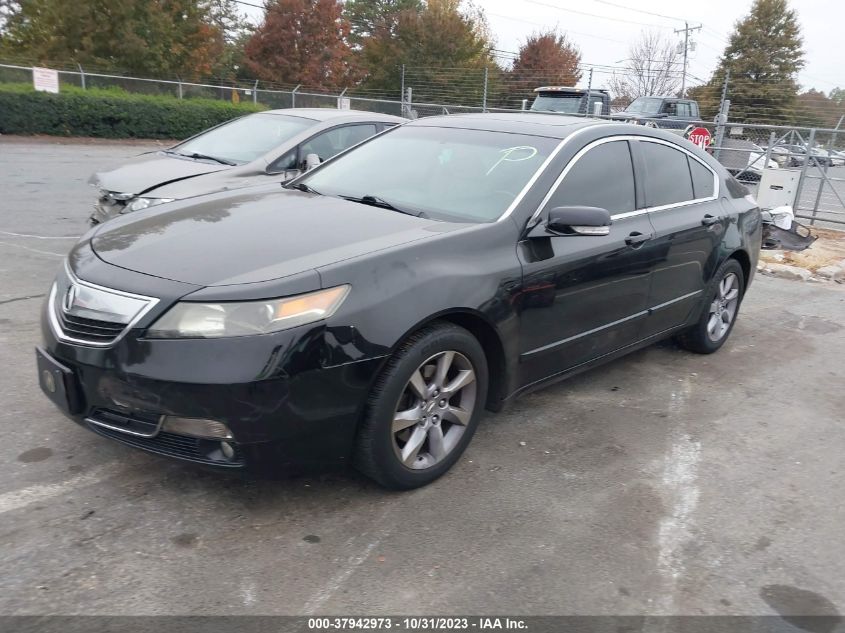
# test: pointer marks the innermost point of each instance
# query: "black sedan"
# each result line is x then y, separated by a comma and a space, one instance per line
370, 311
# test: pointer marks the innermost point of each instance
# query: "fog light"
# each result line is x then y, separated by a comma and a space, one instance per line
196, 427
227, 449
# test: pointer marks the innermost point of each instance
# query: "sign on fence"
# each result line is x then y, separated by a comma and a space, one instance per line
700, 136
343, 103
45, 79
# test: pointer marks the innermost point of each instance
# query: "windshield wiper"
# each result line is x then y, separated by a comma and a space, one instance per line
301, 186
197, 155
375, 201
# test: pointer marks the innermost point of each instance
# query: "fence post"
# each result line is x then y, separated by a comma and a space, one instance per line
484, 97
293, 96
255, 92
807, 155
81, 76
589, 92
409, 93
179, 86
721, 122
725, 88
340, 97
772, 138
402, 93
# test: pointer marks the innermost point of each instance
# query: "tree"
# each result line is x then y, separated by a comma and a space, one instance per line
445, 49
653, 68
302, 42
764, 55
816, 109
546, 58
367, 17
156, 37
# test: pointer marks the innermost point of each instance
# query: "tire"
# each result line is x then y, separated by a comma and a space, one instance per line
397, 420
719, 313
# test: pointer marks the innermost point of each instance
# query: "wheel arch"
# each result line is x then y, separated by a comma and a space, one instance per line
742, 256
489, 338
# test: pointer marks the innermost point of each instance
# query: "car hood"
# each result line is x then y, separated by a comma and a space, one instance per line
253, 235
148, 171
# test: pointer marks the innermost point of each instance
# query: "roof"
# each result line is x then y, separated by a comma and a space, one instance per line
525, 122
325, 114
565, 88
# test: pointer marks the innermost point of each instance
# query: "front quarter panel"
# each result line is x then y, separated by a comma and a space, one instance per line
394, 292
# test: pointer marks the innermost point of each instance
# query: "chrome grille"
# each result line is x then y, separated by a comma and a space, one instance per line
88, 314
90, 329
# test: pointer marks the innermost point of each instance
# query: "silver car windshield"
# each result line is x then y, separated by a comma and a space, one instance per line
245, 139
442, 173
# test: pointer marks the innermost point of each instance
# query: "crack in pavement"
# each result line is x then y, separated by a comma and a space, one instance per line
4, 301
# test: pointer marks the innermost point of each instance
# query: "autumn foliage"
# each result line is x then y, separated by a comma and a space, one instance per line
302, 42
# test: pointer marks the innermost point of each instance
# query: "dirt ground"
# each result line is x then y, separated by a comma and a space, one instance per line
828, 250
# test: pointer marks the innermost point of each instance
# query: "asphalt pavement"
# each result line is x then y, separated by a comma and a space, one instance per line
663, 483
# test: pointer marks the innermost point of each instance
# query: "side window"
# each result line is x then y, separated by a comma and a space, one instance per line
669, 179
670, 108
684, 109
603, 177
336, 140
702, 179
284, 162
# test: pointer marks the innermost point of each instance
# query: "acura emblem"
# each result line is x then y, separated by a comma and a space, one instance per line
70, 297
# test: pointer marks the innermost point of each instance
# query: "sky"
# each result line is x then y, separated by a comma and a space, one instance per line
604, 30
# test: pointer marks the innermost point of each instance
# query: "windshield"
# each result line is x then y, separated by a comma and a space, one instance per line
245, 139
645, 105
566, 103
442, 173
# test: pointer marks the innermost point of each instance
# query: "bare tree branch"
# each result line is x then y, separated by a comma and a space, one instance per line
653, 68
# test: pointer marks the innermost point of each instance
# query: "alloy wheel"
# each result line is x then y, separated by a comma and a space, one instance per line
723, 308
434, 410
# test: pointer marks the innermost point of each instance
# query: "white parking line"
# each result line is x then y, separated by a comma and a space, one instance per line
33, 250
41, 237
17, 499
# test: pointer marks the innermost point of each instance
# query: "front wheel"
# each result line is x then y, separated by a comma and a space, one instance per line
424, 408
722, 298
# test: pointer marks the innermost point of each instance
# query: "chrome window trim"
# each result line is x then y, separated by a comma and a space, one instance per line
57, 328
635, 212
541, 170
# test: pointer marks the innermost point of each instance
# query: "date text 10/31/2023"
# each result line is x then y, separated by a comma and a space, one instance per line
419, 623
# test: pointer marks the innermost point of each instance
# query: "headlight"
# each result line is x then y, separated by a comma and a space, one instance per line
142, 203
215, 320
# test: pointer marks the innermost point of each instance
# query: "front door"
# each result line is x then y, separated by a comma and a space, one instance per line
585, 296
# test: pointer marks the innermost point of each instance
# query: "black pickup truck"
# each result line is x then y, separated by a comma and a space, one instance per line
662, 112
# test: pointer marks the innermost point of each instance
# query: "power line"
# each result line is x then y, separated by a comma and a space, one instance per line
622, 6
595, 15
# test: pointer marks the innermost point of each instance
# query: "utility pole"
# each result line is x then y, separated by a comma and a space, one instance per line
686, 31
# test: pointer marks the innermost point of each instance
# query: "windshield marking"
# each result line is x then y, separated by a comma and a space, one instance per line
507, 159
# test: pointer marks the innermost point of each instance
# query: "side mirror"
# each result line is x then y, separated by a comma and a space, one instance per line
579, 221
311, 161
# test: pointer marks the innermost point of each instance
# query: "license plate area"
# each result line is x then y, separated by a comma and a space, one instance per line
58, 382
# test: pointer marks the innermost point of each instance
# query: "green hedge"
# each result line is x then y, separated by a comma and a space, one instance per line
109, 113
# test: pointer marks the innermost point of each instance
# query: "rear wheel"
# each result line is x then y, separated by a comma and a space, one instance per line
722, 299
424, 408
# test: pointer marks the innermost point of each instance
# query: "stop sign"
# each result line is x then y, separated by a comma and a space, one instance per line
700, 136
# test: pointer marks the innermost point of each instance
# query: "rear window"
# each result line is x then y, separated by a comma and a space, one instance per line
702, 179
669, 180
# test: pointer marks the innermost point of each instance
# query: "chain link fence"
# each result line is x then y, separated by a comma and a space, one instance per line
810, 160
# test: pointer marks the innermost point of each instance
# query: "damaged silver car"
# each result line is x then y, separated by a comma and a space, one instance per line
275, 145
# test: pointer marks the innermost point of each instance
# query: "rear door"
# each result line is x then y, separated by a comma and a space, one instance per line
681, 197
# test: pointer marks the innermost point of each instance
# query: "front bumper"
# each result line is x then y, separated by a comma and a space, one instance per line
289, 403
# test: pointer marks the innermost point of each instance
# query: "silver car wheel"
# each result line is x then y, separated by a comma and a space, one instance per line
723, 308
434, 410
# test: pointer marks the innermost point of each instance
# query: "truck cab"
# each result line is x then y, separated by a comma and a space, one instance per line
662, 112
568, 100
